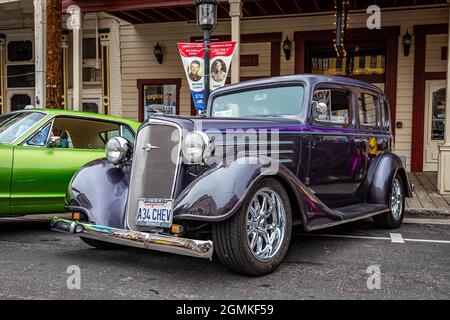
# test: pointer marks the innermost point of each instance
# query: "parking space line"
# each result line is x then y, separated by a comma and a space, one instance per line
396, 238
370, 238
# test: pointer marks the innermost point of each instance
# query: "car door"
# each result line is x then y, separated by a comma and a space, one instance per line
42, 171
6, 155
334, 154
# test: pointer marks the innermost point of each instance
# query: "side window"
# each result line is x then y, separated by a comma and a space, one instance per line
332, 106
128, 134
367, 109
77, 133
385, 114
40, 138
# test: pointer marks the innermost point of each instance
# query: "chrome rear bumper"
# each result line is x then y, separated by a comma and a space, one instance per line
151, 241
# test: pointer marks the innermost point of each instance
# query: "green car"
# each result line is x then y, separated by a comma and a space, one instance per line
40, 151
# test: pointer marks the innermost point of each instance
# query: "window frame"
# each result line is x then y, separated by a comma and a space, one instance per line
338, 87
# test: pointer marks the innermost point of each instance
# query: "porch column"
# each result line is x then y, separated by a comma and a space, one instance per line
2, 75
104, 43
236, 14
75, 23
39, 51
444, 150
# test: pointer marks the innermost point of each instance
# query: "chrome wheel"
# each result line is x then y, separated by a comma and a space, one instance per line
266, 224
396, 199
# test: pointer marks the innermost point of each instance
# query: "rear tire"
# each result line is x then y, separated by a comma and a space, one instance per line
255, 240
393, 219
100, 244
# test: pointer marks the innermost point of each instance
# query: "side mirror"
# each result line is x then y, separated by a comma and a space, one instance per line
53, 142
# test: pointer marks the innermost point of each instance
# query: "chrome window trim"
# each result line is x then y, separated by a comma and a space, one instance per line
178, 164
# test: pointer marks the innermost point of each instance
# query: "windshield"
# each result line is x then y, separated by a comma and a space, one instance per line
14, 125
260, 102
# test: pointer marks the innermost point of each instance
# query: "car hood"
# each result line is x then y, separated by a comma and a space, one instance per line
222, 124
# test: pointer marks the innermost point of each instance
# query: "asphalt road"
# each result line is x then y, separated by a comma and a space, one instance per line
329, 264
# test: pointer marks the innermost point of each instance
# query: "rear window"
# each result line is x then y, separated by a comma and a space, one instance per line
260, 102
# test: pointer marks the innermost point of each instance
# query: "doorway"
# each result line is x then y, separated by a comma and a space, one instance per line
435, 106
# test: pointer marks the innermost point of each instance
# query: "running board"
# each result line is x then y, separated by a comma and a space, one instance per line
355, 212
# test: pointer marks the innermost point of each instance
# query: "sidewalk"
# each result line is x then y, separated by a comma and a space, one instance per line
427, 200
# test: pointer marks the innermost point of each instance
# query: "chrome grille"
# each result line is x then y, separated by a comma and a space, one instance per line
154, 171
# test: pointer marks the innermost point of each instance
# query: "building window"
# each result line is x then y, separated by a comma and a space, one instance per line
89, 47
20, 101
438, 115
20, 51
91, 74
362, 59
21, 76
158, 96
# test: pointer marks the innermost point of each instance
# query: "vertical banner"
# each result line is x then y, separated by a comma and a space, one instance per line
192, 55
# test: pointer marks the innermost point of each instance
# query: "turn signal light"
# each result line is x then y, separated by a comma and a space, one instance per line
76, 216
177, 229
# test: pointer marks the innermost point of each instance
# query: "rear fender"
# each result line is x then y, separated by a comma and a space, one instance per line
100, 190
389, 165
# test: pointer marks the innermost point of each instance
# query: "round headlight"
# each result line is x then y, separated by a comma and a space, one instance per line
196, 147
117, 149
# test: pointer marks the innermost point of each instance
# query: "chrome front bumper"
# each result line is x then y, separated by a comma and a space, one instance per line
151, 241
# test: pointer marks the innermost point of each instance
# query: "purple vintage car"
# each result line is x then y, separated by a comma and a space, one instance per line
268, 154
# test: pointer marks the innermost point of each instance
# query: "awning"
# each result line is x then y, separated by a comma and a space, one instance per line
153, 11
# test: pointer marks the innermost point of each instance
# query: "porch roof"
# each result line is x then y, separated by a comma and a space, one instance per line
153, 11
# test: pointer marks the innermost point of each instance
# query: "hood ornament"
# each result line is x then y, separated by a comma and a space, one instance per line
149, 147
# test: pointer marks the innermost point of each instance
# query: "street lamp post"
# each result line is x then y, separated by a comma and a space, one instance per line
206, 21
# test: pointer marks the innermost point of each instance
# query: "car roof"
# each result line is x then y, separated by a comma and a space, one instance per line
311, 79
55, 112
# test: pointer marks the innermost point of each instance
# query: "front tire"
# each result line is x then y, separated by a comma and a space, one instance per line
393, 219
255, 240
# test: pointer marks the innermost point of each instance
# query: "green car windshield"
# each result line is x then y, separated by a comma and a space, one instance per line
12, 126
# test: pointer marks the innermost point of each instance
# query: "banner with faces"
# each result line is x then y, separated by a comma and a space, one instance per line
192, 55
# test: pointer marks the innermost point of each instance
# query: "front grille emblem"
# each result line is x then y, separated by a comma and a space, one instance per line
149, 147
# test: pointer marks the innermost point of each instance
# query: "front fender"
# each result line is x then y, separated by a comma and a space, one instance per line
388, 166
100, 190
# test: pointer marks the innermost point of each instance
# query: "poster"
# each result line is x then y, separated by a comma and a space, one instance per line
192, 56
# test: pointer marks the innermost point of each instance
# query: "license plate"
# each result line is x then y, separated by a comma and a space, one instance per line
155, 213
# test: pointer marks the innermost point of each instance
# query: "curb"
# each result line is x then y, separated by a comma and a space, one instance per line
429, 213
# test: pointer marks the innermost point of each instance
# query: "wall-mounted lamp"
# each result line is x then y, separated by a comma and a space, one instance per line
407, 42
287, 47
158, 53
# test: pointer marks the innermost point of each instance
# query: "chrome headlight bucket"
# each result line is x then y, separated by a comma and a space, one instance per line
117, 150
197, 147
